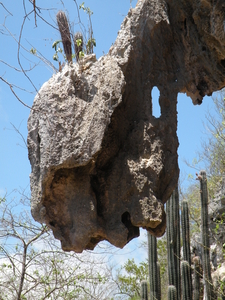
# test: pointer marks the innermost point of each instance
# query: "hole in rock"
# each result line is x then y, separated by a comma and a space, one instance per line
223, 62
156, 109
133, 231
52, 223
203, 48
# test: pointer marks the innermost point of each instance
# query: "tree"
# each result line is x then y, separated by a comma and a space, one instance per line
129, 278
213, 154
32, 265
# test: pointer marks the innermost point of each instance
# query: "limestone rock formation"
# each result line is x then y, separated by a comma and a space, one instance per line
102, 164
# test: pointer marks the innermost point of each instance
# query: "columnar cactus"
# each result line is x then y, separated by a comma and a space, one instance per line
185, 231
144, 290
159, 281
186, 280
173, 241
172, 292
65, 34
177, 225
153, 268
186, 236
205, 236
197, 294
170, 243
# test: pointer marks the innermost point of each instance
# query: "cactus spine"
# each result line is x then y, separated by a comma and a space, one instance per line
153, 268
205, 237
144, 290
173, 241
185, 280
65, 34
172, 292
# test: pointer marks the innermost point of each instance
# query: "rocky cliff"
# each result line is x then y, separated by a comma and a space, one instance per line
102, 164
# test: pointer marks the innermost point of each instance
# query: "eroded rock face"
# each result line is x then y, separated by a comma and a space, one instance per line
102, 164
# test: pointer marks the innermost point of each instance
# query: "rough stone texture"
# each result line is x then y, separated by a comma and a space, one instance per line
218, 278
102, 164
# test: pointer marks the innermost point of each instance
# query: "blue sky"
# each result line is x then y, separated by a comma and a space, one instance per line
107, 17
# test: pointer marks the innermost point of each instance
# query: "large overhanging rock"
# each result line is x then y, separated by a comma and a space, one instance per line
102, 164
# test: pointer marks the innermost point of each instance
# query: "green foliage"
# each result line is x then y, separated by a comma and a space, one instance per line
2, 200
79, 42
33, 51
90, 43
86, 9
162, 251
129, 278
58, 49
213, 154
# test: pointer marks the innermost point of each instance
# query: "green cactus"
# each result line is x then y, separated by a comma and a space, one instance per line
197, 276
205, 236
65, 34
173, 241
172, 292
186, 236
159, 281
144, 290
186, 280
185, 231
153, 268
177, 258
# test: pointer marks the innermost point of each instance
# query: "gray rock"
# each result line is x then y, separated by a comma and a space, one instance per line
218, 278
102, 164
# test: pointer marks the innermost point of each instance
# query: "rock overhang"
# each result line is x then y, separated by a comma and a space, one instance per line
102, 164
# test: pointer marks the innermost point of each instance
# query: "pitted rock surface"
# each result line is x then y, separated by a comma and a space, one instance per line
102, 164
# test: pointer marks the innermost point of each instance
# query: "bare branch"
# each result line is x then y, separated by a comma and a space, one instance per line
6, 9
11, 88
18, 52
18, 131
12, 67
